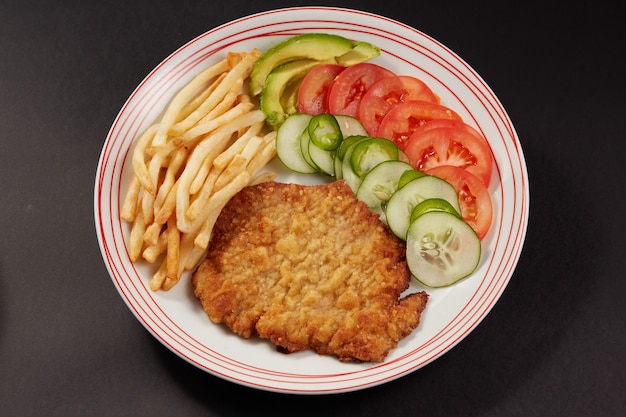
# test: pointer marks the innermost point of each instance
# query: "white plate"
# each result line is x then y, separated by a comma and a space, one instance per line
175, 317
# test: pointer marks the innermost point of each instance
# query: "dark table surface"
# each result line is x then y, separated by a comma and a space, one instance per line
553, 345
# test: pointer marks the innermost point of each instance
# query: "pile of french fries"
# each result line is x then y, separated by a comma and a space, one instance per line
209, 144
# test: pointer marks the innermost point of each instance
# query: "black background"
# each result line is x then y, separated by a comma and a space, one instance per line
552, 346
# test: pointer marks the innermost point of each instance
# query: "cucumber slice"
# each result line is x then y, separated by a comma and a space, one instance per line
409, 176
364, 155
371, 152
441, 249
324, 132
324, 137
342, 161
305, 139
350, 126
348, 141
432, 204
403, 201
288, 143
323, 159
402, 156
379, 185
337, 167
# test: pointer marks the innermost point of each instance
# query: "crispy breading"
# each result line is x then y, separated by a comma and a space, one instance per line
308, 267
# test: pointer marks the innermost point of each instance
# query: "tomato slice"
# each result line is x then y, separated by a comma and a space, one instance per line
474, 198
403, 119
313, 91
450, 146
388, 93
451, 123
346, 92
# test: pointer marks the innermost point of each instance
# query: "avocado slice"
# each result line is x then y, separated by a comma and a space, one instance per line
362, 51
315, 46
280, 81
289, 99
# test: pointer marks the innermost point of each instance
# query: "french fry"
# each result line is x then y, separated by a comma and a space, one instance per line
233, 58
224, 119
169, 283
252, 147
151, 233
159, 277
238, 72
186, 251
265, 155
263, 177
229, 100
204, 235
236, 166
147, 207
196, 206
173, 250
207, 111
222, 160
182, 97
152, 252
205, 148
200, 178
190, 138
199, 131
177, 162
138, 159
217, 201
168, 207
200, 98
136, 237
194, 257
129, 207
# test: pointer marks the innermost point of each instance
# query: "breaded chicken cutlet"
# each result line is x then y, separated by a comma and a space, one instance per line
308, 267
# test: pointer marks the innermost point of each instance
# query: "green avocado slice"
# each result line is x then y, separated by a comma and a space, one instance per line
280, 80
362, 51
315, 46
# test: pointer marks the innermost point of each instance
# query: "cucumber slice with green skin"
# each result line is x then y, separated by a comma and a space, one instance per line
337, 167
305, 139
350, 126
441, 249
324, 160
432, 204
347, 142
324, 132
288, 146
371, 152
347, 164
402, 156
380, 184
409, 176
403, 201
340, 156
